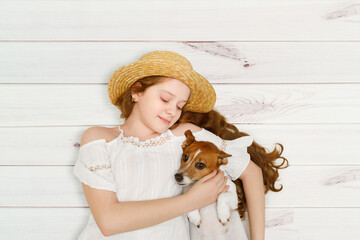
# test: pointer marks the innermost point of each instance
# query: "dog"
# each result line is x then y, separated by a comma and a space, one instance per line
219, 220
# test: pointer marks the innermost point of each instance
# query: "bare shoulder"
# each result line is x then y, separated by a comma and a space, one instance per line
180, 130
95, 133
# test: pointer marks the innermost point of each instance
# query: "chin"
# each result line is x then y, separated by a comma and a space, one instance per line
160, 129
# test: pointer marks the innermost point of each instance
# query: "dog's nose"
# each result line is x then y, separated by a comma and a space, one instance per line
178, 177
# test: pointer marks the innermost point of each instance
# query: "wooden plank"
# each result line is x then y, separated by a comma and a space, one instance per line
42, 223
44, 186
312, 223
304, 186
45, 105
179, 21
314, 186
304, 144
219, 62
310, 144
303, 103
294, 223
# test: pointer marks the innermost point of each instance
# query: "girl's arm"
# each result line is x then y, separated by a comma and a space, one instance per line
114, 217
254, 192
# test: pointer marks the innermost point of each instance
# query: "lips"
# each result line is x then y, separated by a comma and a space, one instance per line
164, 120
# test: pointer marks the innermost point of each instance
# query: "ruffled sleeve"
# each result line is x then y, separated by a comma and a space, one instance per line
93, 166
240, 158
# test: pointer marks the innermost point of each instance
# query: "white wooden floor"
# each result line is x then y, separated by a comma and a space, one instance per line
283, 71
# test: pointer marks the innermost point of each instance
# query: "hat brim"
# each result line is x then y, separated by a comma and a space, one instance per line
202, 96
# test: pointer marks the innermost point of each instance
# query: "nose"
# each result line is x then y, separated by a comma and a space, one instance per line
178, 177
171, 110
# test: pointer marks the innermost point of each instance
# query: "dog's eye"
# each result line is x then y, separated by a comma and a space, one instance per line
200, 166
186, 157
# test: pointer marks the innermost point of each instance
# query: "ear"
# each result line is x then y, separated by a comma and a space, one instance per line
222, 158
135, 91
189, 139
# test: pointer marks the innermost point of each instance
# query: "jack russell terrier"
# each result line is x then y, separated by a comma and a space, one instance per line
219, 220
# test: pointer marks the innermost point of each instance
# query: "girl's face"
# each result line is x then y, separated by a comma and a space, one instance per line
160, 106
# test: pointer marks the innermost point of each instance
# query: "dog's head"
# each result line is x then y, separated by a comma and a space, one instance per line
199, 158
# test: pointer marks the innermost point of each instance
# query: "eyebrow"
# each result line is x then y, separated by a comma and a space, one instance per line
172, 95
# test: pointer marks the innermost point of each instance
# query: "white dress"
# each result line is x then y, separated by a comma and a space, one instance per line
143, 170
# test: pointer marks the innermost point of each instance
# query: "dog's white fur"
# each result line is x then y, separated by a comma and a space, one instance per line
217, 221
208, 218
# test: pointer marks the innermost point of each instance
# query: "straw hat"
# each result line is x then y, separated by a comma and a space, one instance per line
169, 64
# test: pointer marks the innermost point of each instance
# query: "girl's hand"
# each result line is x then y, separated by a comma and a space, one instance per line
207, 189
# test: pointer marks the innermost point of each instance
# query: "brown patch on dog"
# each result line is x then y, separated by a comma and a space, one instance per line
200, 158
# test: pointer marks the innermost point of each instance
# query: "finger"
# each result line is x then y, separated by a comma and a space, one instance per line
207, 177
225, 179
219, 177
223, 183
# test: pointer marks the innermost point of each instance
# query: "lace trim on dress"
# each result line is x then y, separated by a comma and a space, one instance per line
98, 167
152, 142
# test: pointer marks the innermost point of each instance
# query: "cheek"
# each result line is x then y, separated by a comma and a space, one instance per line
176, 117
178, 114
197, 174
192, 172
154, 106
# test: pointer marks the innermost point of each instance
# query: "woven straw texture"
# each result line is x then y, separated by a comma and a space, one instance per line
169, 64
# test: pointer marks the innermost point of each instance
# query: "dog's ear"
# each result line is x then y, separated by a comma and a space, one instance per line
222, 158
189, 139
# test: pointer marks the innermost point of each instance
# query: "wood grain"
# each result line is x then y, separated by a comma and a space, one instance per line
284, 71
304, 186
180, 20
304, 144
220, 62
281, 223
64, 105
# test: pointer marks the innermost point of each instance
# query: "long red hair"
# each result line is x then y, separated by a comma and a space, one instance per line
214, 122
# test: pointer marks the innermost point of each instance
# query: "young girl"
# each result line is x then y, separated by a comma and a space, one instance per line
127, 172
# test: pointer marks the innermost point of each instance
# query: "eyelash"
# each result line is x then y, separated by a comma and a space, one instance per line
167, 101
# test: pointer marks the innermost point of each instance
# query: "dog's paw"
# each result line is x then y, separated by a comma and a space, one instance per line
224, 212
195, 217
224, 223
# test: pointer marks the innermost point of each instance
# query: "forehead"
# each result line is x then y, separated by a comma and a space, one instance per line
204, 147
174, 86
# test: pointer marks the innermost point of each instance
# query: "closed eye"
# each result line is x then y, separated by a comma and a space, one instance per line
168, 101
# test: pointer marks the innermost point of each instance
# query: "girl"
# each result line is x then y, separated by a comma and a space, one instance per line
127, 172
